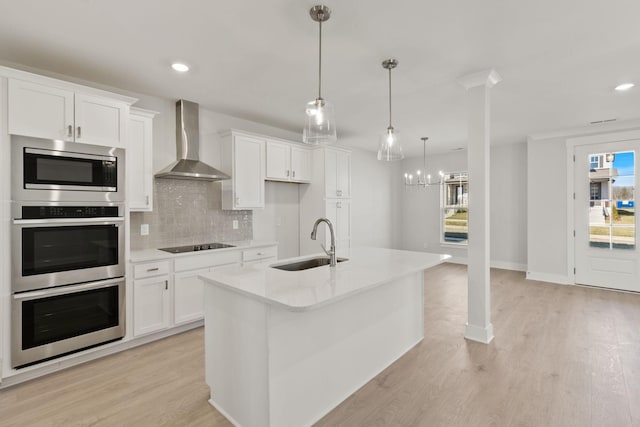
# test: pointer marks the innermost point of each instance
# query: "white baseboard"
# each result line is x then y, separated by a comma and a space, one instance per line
479, 333
507, 265
503, 265
551, 278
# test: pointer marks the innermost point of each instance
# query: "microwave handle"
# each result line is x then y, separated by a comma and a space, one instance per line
69, 221
62, 290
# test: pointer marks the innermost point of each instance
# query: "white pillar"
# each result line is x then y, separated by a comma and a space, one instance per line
478, 86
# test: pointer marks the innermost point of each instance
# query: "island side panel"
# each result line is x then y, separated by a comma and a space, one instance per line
236, 367
318, 358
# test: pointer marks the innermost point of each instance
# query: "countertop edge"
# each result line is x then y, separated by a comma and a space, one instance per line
375, 284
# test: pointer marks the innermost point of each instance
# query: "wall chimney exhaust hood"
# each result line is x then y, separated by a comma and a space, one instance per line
188, 165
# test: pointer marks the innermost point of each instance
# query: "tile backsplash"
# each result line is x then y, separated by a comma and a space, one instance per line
188, 212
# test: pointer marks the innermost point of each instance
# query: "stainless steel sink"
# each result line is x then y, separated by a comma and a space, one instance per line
306, 264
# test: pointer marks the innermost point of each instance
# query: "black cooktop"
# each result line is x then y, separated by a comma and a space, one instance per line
193, 248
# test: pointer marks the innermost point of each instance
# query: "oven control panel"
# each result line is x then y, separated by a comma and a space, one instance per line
41, 212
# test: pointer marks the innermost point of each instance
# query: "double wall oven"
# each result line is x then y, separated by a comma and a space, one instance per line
68, 287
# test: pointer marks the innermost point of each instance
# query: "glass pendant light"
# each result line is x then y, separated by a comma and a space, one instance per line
320, 125
390, 148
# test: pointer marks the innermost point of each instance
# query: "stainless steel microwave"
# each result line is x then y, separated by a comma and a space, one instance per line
46, 170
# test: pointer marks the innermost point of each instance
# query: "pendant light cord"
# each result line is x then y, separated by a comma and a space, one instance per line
390, 98
320, 61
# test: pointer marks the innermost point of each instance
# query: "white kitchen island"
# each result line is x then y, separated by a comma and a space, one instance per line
283, 348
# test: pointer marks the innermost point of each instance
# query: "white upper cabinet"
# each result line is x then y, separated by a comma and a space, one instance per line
301, 164
101, 121
40, 111
337, 173
288, 162
140, 160
243, 157
53, 111
278, 161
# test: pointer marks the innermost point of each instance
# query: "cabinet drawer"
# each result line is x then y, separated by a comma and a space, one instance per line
206, 260
150, 269
259, 253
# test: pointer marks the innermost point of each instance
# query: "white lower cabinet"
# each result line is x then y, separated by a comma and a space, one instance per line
188, 296
168, 293
151, 305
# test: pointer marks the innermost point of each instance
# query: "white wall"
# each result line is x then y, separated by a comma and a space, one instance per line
547, 208
279, 220
419, 209
371, 205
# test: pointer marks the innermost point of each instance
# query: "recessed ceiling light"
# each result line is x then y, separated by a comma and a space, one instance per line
179, 67
624, 86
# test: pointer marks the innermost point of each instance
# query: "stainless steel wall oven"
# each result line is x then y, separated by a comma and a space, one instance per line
67, 238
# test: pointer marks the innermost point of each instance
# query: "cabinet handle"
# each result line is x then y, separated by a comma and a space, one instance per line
287, 172
147, 200
153, 269
69, 131
79, 133
294, 174
260, 253
339, 192
339, 204
166, 285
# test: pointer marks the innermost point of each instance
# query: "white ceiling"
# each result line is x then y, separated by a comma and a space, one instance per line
559, 60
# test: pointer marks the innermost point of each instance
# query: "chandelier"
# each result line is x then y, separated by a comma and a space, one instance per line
422, 179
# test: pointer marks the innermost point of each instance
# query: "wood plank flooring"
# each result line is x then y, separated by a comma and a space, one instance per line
562, 356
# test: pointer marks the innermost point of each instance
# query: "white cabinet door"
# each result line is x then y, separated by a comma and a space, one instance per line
151, 305
331, 173
337, 173
248, 172
188, 296
339, 213
300, 164
139, 161
40, 111
343, 174
100, 121
278, 161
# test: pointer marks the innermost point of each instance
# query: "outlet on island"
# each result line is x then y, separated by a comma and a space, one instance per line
235, 224
144, 229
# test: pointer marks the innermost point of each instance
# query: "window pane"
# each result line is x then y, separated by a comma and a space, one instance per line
612, 200
455, 203
456, 225
624, 237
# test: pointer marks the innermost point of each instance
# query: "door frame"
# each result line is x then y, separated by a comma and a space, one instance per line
571, 143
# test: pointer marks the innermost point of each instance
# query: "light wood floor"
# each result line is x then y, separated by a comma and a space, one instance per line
562, 356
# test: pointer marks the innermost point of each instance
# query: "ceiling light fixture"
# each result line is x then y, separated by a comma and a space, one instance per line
319, 125
390, 148
422, 178
624, 86
179, 67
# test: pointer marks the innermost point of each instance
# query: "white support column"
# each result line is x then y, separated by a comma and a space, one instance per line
478, 85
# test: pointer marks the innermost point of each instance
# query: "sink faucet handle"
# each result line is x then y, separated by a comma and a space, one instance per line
324, 248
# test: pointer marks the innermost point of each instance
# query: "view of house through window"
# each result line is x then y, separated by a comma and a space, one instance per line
612, 223
455, 207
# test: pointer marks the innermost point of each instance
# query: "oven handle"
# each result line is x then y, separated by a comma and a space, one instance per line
70, 221
67, 289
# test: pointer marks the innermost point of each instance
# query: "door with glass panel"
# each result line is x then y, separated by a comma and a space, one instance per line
606, 243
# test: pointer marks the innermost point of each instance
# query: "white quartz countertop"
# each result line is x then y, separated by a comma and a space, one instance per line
315, 287
143, 255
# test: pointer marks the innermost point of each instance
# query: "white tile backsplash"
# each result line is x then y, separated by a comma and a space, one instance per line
188, 212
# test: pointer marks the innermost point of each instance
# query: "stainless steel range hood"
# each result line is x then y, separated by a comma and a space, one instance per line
188, 165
